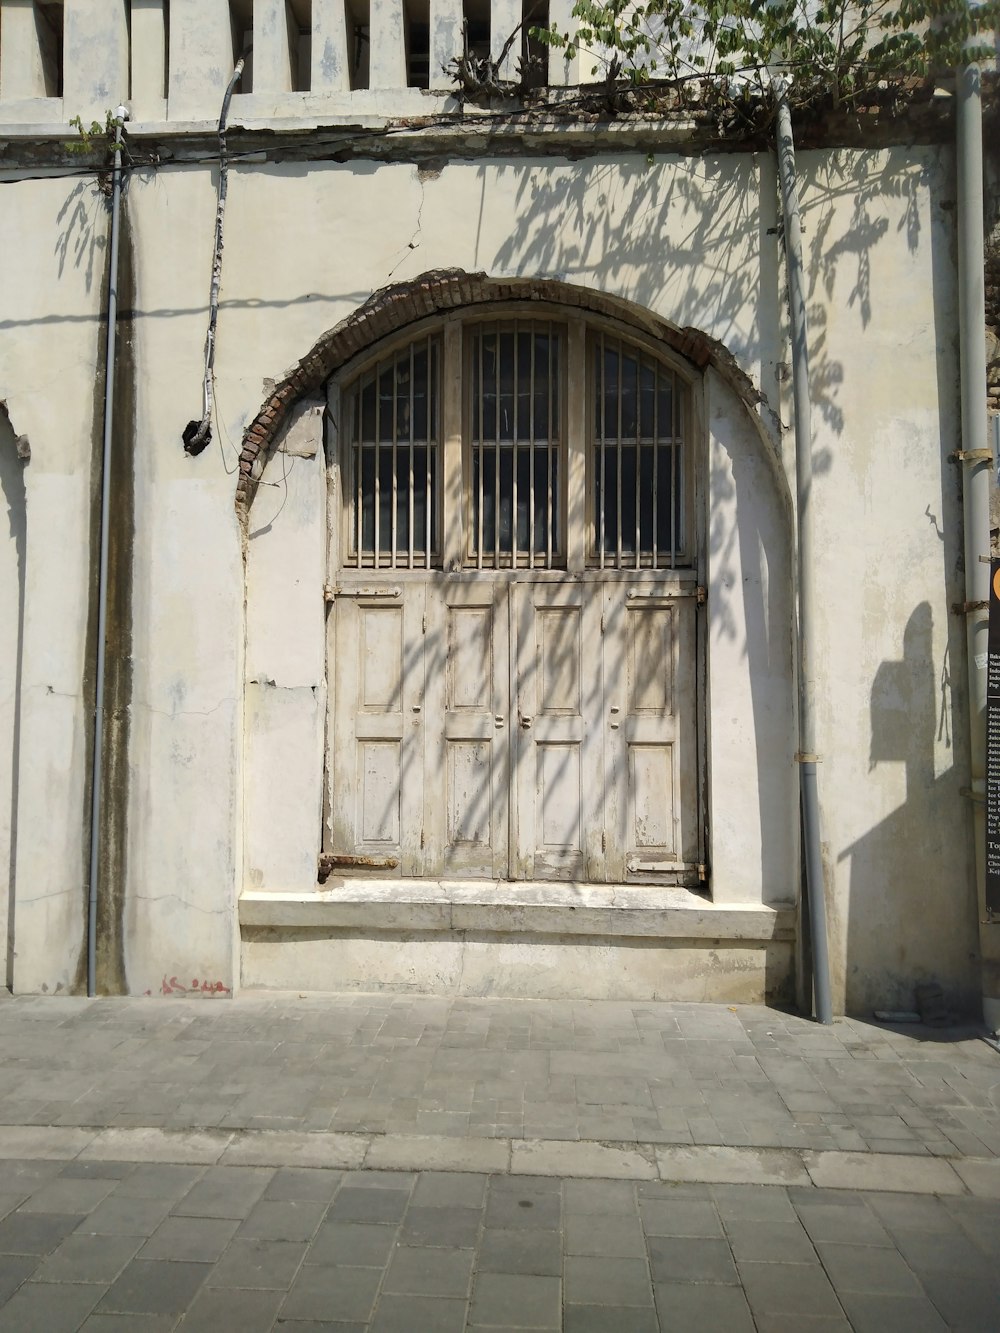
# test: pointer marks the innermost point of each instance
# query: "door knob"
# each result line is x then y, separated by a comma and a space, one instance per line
525, 720
498, 720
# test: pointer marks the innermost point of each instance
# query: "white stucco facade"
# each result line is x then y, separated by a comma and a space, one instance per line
226, 789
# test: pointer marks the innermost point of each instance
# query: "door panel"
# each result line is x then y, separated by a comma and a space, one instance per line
651, 733
558, 685
377, 761
467, 705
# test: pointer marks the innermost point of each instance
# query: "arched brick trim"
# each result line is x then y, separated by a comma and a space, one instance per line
392, 308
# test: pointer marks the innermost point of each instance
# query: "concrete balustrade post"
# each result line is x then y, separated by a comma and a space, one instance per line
562, 71
149, 59
95, 57
388, 44
274, 59
331, 70
446, 39
201, 58
22, 72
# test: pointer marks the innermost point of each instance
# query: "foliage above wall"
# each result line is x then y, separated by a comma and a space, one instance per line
834, 49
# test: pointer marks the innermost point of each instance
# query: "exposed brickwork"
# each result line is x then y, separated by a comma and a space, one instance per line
392, 308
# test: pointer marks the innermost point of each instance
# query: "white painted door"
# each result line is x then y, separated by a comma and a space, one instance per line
650, 732
467, 668
377, 762
558, 739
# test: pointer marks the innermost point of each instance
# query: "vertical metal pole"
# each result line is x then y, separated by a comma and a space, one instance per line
807, 757
976, 476
102, 582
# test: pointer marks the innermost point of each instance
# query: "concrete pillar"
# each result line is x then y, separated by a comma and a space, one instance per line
446, 39
562, 72
331, 70
505, 15
201, 58
273, 70
149, 59
388, 45
95, 57
22, 74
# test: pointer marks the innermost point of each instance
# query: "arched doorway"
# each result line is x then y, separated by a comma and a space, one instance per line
515, 598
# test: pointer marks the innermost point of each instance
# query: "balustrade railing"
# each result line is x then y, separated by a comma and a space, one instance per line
170, 60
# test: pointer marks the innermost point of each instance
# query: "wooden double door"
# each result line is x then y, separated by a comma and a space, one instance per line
514, 725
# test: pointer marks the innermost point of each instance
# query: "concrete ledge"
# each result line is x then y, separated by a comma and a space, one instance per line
672, 1164
570, 908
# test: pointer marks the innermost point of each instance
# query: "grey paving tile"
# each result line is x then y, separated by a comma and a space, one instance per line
68, 1196
970, 1304
225, 1191
88, 1258
316, 1184
34, 1233
610, 1319
129, 1323
47, 1308
876, 1271
193, 1239
223, 1308
332, 1294
680, 1217
157, 1180
450, 1189
126, 1216
520, 1301
453, 1227
355, 1204
429, 1314
429, 1272
690, 1259
154, 1287
601, 1197
943, 1252
258, 1264
793, 1289
281, 1219
590, 1280
80, 1170
685, 1307
770, 1242
848, 1226
528, 1210
619, 1236
354, 1244
911, 1212
15, 1269
793, 1323
531, 1252
870, 1313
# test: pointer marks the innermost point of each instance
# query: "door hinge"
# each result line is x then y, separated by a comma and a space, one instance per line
602, 622
423, 623
604, 840
421, 840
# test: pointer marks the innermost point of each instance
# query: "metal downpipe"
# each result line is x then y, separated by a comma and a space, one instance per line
121, 115
807, 757
975, 453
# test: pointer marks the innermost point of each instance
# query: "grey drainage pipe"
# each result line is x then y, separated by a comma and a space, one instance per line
807, 757
975, 452
121, 115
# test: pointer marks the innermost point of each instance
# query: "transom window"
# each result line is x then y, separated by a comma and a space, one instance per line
464, 445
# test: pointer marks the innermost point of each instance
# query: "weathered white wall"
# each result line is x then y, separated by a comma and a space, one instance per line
52, 238
305, 245
286, 661
13, 539
892, 721
185, 801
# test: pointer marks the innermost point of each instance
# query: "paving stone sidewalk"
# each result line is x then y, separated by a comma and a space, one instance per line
119, 1247
507, 1069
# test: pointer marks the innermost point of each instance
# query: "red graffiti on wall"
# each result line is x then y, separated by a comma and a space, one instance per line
172, 986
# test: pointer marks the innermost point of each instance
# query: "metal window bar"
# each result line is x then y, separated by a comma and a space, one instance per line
627, 457
391, 540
